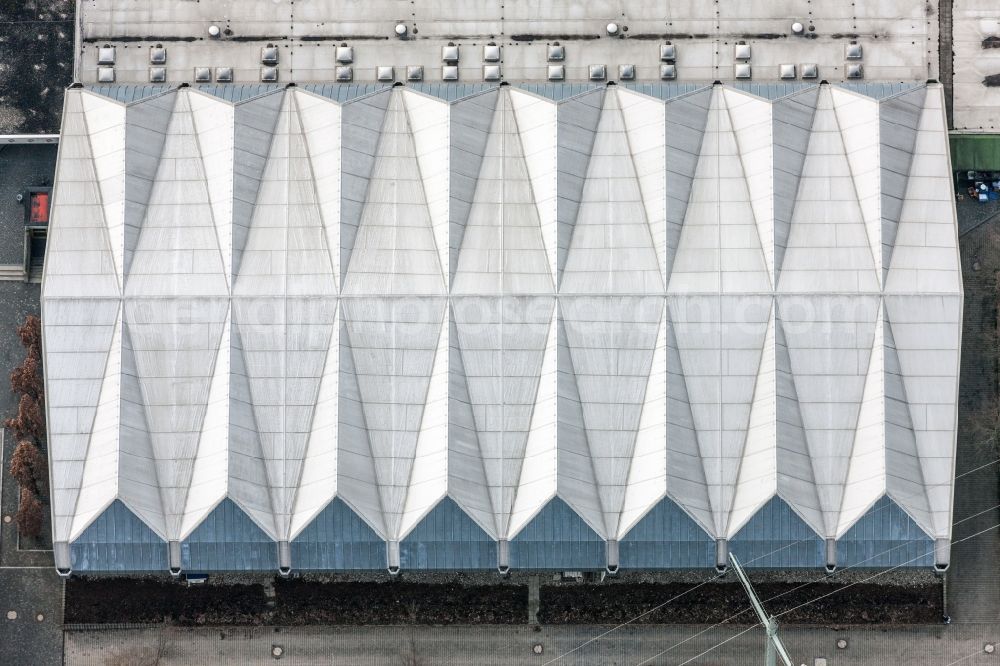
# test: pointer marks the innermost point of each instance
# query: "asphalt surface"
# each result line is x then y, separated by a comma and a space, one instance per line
22, 166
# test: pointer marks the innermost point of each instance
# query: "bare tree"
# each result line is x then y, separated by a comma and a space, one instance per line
27, 466
29, 514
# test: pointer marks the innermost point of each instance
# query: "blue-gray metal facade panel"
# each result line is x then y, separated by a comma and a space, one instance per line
666, 91
228, 540
238, 92
451, 91
557, 538
118, 541
878, 90
885, 537
338, 540
775, 537
666, 538
128, 94
344, 92
772, 90
559, 91
447, 538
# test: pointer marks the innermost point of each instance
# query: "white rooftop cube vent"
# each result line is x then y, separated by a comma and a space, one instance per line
269, 55
344, 74
157, 74
786, 71
491, 72
106, 55
743, 71
742, 51
855, 71
598, 72
449, 73
556, 53
415, 73
224, 74
797, 28
668, 52
612, 28
668, 72
157, 55
400, 30
557, 72
810, 70
345, 54
449, 53
106, 74
491, 53
853, 51
213, 31
626, 72
203, 75
384, 73
269, 74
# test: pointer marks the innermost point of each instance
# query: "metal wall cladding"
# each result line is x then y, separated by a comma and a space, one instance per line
550, 326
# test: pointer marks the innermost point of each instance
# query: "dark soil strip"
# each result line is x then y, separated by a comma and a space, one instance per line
398, 602
295, 602
858, 604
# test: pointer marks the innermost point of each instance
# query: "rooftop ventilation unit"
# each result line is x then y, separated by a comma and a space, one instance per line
400, 30
106, 55
345, 55
224, 74
344, 74
491, 72
268, 74
855, 71
626, 72
742, 51
786, 71
491, 53
598, 72
449, 53
810, 70
269, 55
556, 53
213, 31
853, 51
385, 73
668, 52
415, 73
797, 28
157, 74
157, 55
203, 75
449, 73
612, 28
668, 72
106, 74
743, 71
557, 72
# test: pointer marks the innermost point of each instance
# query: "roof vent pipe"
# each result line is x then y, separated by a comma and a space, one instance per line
63, 558
831, 555
174, 557
721, 555
942, 555
284, 558
612, 556
392, 556
503, 556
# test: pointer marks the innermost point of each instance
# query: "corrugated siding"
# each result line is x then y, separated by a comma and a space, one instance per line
447, 538
128, 94
777, 538
665, 90
237, 92
557, 538
451, 91
344, 92
338, 540
559, 91
666, 537
771, 90
878, 90
118, 541
885, 537
228, 540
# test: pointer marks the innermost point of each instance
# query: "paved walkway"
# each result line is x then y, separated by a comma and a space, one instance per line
461, 646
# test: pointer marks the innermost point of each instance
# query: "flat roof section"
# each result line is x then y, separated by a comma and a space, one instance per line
895, 41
